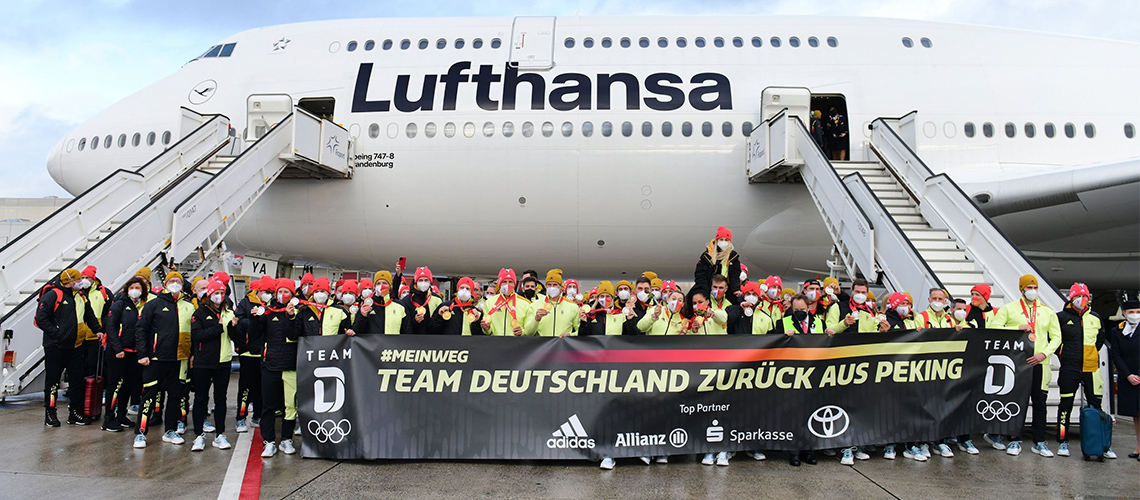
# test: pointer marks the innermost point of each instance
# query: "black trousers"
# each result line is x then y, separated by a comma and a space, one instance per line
273, 396
1069, 380
1037, 399
249, 386
124, 378
57, 360
160, 377
219, 379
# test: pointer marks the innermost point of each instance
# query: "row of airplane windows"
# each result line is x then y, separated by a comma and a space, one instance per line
1030, 130
607, 42
136, 140
547, 129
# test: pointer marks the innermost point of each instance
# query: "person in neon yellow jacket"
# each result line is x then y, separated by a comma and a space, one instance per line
604, 315
553, 314
704, 319
854, 311
1029, 314
505, 314
665, 317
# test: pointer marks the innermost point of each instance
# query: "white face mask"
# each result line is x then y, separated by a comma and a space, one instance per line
505, 289
463, 295
217, 298
743, 276
812, 295
365, 293
623, 295
201, 293
1031, 294
643, 296
960, 314
859, 298
1079, 302
571, 291
84, 283
673, 304
174, 287
305, 289
903, 310
134, 293
751, 299
773, 293
657, 295
1133, 318
321, 297
553, 292
423, 286
405, 294
348, 299
265, 296
722, 244
938, 305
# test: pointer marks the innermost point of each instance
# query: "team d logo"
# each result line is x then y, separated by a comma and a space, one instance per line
999, 375
571, 435
328, 374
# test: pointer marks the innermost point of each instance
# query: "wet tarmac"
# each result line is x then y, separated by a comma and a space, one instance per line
85, 462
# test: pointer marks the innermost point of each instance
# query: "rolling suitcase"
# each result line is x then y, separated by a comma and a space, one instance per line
93, 391
1096, 433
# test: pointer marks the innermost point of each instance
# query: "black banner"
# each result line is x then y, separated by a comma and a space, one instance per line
404, 396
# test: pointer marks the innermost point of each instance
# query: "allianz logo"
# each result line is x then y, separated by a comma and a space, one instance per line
570, 435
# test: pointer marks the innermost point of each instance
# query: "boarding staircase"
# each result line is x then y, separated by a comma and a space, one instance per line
178, 207
894, 222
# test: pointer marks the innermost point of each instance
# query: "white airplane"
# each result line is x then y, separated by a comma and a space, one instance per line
607, 146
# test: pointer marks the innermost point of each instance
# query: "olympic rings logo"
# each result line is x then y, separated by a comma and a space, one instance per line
330, 431
1003, 412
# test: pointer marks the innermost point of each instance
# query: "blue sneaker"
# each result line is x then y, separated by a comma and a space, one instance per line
607, 463
1063, 450
181, 428
848, 457
889, 452
968, 447
995, 440
1042, 449
140, 441
241, 427
1014, 448
208, 427
172, 437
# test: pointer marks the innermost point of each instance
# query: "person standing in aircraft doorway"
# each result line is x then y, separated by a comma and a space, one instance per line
719, 258
837, 134
817, 132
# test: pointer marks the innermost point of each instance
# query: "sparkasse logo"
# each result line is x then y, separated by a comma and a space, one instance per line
571, 435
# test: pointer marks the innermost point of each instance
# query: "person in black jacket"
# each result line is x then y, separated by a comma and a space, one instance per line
162, 338
719, 258
210, 330
57, 317
1082, 336
124, 375
458, 316
249, 343
1124, 349
421, 304
279, 369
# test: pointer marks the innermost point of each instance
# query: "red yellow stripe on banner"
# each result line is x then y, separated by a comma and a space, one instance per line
752, 355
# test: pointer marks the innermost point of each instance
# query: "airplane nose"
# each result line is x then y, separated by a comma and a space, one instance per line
55, 162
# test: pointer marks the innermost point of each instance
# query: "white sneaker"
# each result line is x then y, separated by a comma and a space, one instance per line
1110, 454
848, 457
1042, 449
1014, 448
662, 459
607, 463
173, 438
181, 428
1063, 450
925, 449
944, 450
241, 427
709, 459
995, 440
286, 447
647, 460
269, 451
221, 443
861, 455
968, 447
722, 458
757, 455
889, 452
208, 427
914, 453
297, 431
199, 444
140, 441
255, 422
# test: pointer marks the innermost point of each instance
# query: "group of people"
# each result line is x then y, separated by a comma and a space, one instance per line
162, 342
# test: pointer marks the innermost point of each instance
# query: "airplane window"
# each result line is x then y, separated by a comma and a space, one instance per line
969, 129
107, 142
441, 44
122, 140
423, 43
1010, 130
813, 41
508, 129
1129, 132
405, 43
686, 129
757, 42
449, 130
488, 129
477, 43
83, 141
681, 42
214, 51
1050, 130
625, 43
706, 129
150, 139
607, 129
588, 43
468, 130
794, 41
832, 42
726, 129
737, 42
926, 42
775, 41
547, 129
662, 42
527, 129
430, 130
227, 49
369, 45
459, 43
411, 130
569, 43
718, 41
1030, 130
907, 42
387, 45
136, 139
700, 42
646, 129
988, 129
374, 130
351, 46
166, 138
567, 129
1090, 130
94, 143
643, 42
496, 43
746, 129
667, 129
607, 43
587, 129
1070, 130
626, 129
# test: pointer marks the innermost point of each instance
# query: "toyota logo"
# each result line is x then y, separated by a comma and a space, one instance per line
828, 422
330, 431
990, 410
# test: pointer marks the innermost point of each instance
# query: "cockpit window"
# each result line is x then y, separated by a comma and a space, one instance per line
217, 51
214, 51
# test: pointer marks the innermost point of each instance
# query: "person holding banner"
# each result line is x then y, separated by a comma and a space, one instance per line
504, 316
1082, 336
747, 318
773, 302
898, 315
961, 314
811, 290
554, 315
700, 314
337, 319
385, 315
606, 317
936, 315
1124, 349
800, 321
421, 303
279, 369
460, 316
980, 310
1029, 314
853, 311
311, 312
665, 317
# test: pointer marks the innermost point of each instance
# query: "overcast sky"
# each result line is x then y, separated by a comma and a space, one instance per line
64, 61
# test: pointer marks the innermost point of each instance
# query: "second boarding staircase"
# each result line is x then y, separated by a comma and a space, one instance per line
179, 205
896, 223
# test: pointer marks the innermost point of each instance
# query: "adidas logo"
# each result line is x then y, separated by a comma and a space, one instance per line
571, 435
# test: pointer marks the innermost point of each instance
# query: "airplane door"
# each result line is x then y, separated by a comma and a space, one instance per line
796, 99
532, 43
263, 111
